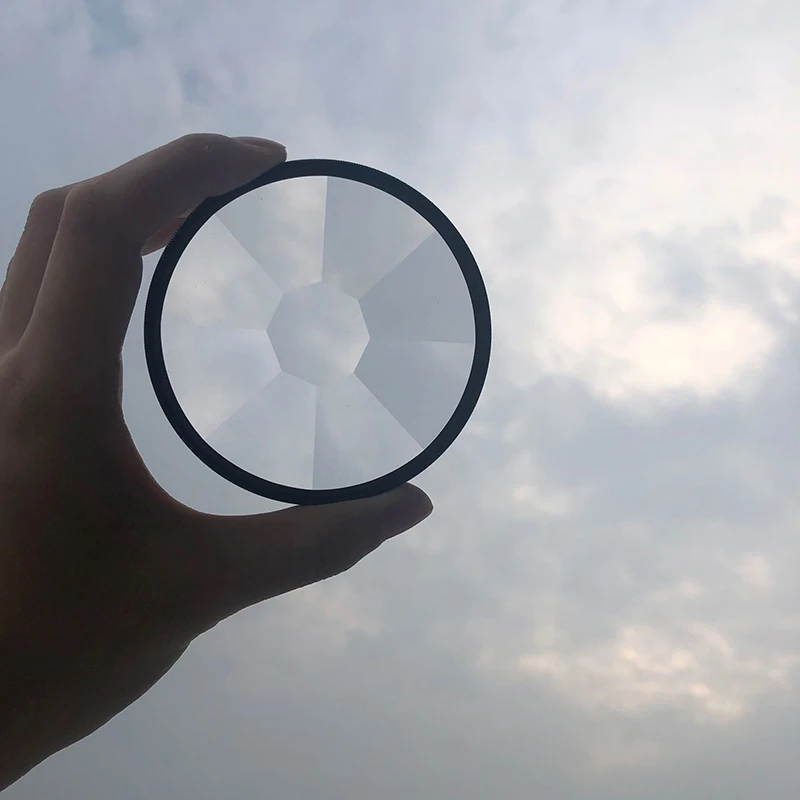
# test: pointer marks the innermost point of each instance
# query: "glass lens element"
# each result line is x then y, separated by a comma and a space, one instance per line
318, 332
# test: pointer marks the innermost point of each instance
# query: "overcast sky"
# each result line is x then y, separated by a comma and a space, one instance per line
604, 604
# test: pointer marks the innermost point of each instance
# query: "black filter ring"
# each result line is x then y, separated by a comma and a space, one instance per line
288, 494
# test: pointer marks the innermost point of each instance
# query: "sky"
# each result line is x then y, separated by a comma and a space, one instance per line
603, 605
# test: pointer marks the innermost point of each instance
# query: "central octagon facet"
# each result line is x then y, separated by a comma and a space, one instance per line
318, 333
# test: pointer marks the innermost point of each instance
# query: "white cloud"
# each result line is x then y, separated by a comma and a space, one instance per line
644, 668
755, 570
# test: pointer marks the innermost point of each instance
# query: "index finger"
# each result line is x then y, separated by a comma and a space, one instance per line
94, 271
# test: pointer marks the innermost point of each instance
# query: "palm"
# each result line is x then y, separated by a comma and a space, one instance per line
104, 578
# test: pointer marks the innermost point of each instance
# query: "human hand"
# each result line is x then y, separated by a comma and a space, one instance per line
105, 579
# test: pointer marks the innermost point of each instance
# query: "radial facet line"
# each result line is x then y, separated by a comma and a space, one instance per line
252, 397
378, 337
383, 405
246, 249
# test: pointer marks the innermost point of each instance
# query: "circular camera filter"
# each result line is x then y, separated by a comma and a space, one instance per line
321, 334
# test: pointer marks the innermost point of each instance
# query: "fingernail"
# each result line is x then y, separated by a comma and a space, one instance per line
265, 144
402, 508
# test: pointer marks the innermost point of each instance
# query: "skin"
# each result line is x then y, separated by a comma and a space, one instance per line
105, 579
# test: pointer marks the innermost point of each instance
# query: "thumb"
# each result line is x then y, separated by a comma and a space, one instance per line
264, 555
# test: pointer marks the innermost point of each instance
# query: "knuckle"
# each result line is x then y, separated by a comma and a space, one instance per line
25, 411
48, 204
328, 558
87, 206
23, 390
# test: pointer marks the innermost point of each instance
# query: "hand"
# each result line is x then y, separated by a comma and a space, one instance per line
105, 579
